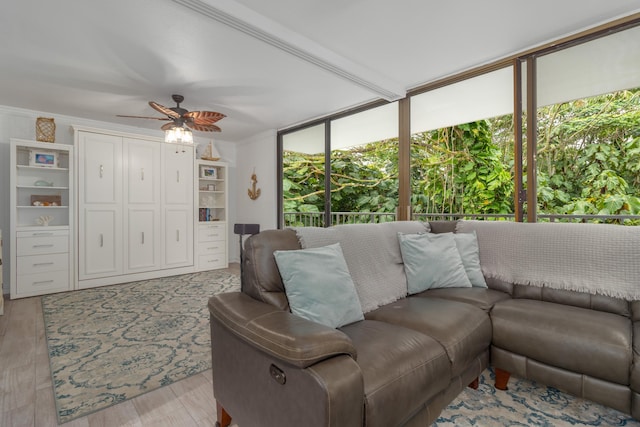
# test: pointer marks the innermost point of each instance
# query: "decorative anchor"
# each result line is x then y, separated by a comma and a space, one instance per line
253, 192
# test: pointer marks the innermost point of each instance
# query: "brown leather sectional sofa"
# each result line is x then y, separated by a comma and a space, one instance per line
409, 359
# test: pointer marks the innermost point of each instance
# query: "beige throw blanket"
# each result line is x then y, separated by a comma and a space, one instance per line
373, 256
593, 258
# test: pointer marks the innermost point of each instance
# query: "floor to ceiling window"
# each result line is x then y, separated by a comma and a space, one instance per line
364, 166
343, 170
462, 147
466, 146
588, 128
303, 177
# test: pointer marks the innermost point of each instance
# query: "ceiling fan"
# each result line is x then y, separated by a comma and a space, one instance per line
197, 120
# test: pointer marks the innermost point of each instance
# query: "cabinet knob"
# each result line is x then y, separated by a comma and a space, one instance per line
101, 170
101, 240
141, 174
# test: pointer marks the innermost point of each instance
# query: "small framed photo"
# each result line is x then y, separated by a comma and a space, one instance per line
208, 172
43, 158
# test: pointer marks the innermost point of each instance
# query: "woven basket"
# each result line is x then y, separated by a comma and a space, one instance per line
45, 129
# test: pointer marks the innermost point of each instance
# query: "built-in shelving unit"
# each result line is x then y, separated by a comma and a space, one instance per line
211, 220
42, 207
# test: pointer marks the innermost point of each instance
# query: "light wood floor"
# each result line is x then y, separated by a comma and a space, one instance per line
26, 393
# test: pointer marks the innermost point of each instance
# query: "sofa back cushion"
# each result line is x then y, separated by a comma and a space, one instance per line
443, 226
576, 299
372, 252
260, 276
598, 259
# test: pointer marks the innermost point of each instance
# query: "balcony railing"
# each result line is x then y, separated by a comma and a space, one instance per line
316, 219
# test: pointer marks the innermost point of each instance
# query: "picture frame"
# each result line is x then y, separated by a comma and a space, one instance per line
208, 172
43, 158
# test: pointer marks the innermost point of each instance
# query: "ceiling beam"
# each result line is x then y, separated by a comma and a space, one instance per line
241, 18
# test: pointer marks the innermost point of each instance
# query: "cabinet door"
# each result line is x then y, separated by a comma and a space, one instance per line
100, 168
178, 175
178, 238
142, 249
143, 167
100, 243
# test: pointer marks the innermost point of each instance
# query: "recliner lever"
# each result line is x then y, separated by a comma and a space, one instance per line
277, 374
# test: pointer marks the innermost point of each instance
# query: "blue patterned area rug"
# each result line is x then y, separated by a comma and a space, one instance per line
526, 403
109, 344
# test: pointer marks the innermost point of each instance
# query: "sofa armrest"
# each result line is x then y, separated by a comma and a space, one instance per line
279, 333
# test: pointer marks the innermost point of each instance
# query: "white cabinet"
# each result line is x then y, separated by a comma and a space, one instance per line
140, 226
212, 246
178, 206
42, 205
100, 167
100, 243
212, 202
178, 235
143, 172
42, 262
142, 247
100, 205
143, 226
178, 176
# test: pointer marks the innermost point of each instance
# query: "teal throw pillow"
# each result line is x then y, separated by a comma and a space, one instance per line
432, 261
318, 285
467, 244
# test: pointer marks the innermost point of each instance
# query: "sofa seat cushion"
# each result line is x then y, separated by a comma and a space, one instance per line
462, 329
402, 369
480, 297
581, 340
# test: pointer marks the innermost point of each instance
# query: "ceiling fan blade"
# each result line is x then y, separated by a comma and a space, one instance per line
164, 110
167, 126
204, 128
144, 117
204, 117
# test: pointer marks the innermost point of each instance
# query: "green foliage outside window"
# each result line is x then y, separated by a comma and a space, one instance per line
588, 163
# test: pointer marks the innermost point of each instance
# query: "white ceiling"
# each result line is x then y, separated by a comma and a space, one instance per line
265, 64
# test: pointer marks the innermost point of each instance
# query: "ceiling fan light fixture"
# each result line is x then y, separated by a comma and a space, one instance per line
178, 135
176, 131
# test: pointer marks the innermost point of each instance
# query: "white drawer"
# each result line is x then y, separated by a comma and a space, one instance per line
211, 262
216, 247
42, 245
43, 233
211, 233
42, 263
41, 283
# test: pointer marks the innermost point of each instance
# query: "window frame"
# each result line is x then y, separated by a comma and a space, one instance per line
519, 60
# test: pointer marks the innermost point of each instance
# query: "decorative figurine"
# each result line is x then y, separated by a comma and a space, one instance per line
44, 220
253, 192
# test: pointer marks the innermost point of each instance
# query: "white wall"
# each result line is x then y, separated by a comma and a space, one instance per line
257, 153
20, 123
